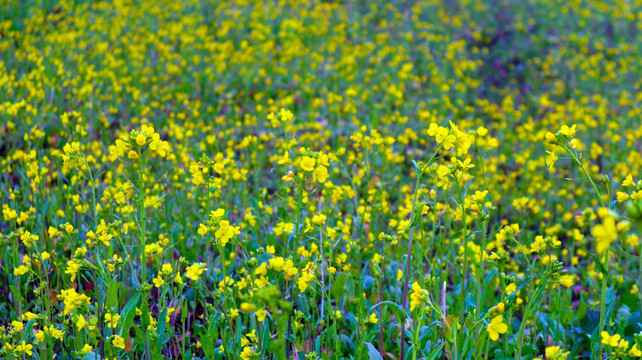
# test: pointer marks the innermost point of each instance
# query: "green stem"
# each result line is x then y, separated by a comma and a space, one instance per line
298, 212
462, 295
603, 301
416, 337
590, 179
606, 255
640, 272
141, 218
480, 276
406, 272
93, 191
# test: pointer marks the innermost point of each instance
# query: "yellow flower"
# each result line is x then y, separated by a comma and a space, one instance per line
17, 325
247, 307
289, 177
25, 348
141, 139
86, 349
622, 196
373, 318
304, 280
285, 159
195, 271
112, 320
568, 132
445, 138
167, 269
551, 351
286, 115
320, 174
433, 129
610, 340
118, 342
510, 288
20, 270
72, 300
418, 297
218, 213
81, 323
54, 333
29, 316
225, 232
551, 158
202, 229
178, 279
40, 335
72, 269
53, 232
261, 315
118, 150
623, 344
162, 148
628, 182
635, 351
551, 138
567, 280
307, 163
604, 234
496, 327
248, 354
158, 281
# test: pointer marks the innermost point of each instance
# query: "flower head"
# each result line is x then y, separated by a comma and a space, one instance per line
496, 327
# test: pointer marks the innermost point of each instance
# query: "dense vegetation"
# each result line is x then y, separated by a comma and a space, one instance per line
205, 179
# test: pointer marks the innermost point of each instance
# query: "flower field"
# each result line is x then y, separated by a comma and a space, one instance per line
370, 180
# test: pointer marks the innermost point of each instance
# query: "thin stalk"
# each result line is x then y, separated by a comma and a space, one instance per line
407, 269
603, 300
415, 348
480, 277
590, 179
141, 219
606, 255
462, 295
640, 271
406, 272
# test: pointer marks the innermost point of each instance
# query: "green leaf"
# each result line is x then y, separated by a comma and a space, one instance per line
339, 287
29, 326
599, 264
111, 299
128, 313
399, 312
208, 345
16, 293
373, 353
161, 330
414, 163
92, 356
416, 217
435, 352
